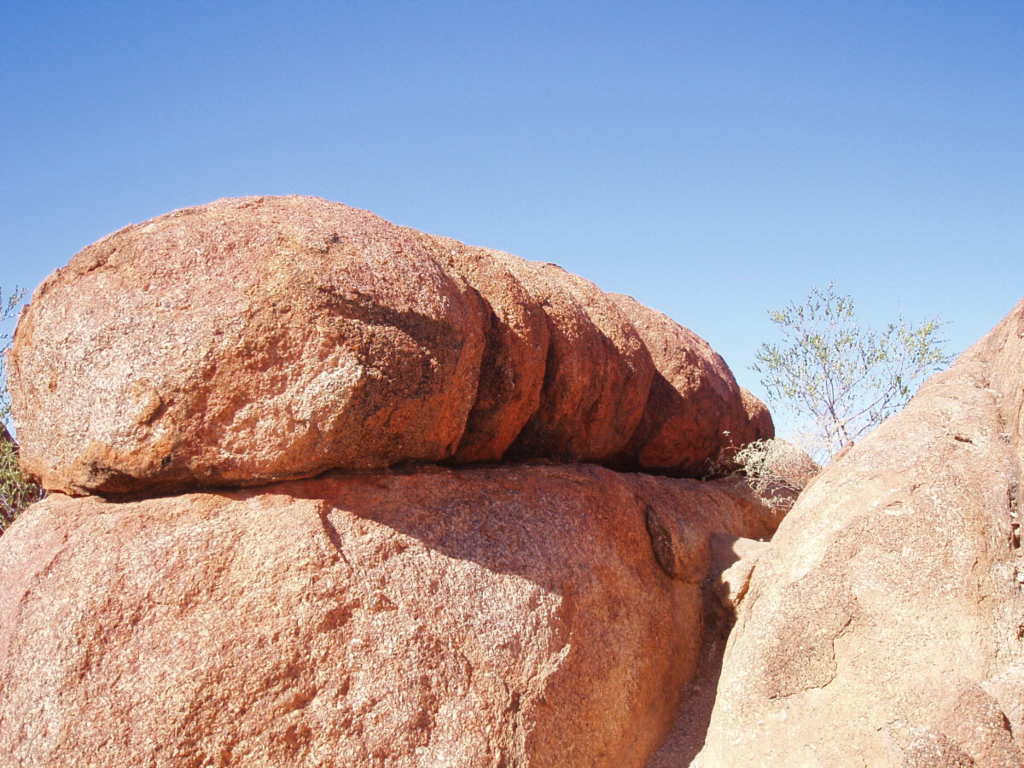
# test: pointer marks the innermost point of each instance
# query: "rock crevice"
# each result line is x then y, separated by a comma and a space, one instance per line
255, 340
325, 491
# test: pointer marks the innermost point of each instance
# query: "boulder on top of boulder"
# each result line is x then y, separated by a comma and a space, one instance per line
259, 339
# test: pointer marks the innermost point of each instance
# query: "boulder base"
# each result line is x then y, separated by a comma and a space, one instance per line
484, 617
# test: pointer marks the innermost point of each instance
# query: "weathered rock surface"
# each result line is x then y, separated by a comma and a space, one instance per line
545, 615
515, 356
598, 374
759, 424
477, 617
240, 342
694, 407
732, 561
260, 339
884, 625
682, 540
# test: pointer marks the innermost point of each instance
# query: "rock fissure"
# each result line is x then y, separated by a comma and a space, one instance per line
289, 576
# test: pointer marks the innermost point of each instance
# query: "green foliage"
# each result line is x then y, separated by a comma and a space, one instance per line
16, 492
6, 313
840, 379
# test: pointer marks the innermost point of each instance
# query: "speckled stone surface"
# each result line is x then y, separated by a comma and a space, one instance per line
885, 621
260, 339
483, 617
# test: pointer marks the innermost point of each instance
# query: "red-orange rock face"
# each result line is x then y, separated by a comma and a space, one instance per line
254, 340
515, 356
757, 424
598, 370
883, 626
695, 409
489, 617
241, 342
521, 615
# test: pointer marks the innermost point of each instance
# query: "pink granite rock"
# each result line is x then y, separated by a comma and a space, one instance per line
884, 624
484, 617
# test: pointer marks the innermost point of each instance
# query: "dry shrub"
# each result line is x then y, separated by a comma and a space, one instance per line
777, 470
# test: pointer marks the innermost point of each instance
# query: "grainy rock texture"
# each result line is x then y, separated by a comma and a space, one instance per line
694, 406
884, 625
759, 424
476, 617
514, 360
240, 342
531, 615
732, 562
681, 515
598, 374
261, 339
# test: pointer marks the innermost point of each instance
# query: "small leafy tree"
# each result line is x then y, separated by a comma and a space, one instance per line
16, 492
840, 379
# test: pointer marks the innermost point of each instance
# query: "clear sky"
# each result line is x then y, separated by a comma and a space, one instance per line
713, 159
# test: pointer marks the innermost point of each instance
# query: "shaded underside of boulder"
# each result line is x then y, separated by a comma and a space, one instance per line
260, 339
884, 625
488, 617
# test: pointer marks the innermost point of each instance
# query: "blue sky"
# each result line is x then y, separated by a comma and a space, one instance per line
713, 159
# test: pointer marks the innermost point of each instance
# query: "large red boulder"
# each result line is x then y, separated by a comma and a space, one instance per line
695, 410
546, 615
883, 627
254, 340
241, 342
